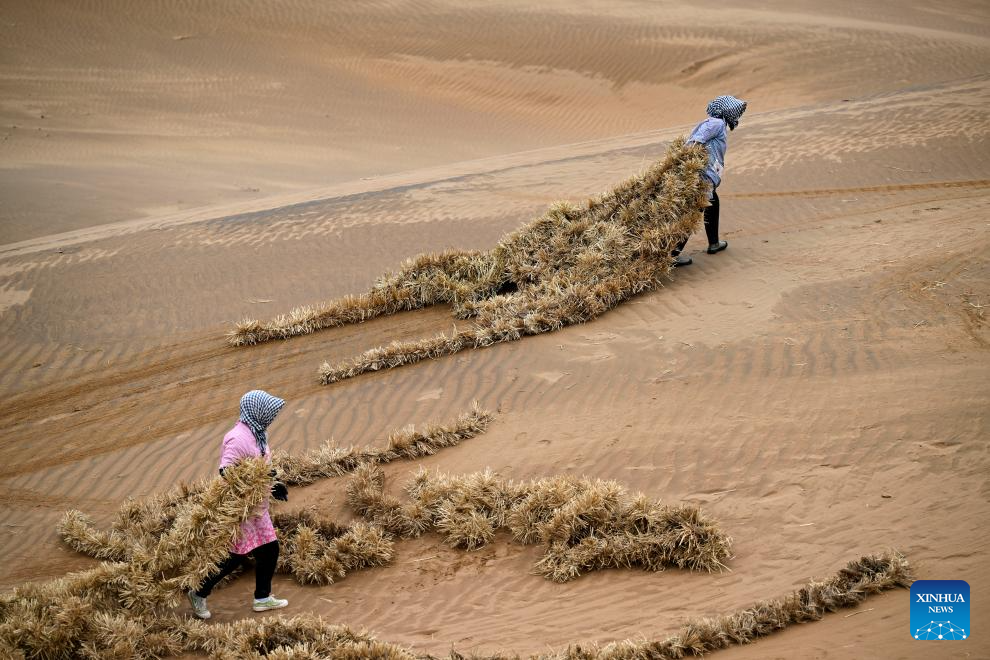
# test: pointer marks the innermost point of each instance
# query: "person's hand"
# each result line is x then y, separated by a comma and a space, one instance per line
280, 492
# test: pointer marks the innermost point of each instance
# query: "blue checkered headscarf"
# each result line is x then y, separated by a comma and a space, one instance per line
258, 411
728, 108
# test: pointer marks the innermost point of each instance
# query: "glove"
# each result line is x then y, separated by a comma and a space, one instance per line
280, 492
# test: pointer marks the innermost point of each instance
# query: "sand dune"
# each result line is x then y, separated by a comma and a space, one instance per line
820, 387
110, 113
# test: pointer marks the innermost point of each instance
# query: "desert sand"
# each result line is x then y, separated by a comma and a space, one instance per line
821, 388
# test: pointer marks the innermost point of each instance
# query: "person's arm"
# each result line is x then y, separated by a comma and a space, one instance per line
230, 454
233, 453
706, 130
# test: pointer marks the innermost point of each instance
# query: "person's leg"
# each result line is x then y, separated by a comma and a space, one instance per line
228, 566
681, 259
266, 558
711, 221
711, 229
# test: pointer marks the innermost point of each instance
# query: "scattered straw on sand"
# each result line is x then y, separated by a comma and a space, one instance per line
159, 548
314, 550
584, 524
568, 266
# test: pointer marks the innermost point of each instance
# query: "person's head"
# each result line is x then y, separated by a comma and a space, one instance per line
258, 411
727, 108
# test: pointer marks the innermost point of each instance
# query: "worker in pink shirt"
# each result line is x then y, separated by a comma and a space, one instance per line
249, 439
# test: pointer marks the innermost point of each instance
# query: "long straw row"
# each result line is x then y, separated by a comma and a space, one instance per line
568, 266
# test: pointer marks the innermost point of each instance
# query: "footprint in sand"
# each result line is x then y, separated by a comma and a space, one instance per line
551, 376
431, 395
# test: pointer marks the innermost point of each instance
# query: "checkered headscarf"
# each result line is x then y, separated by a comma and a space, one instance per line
258, 411
728, 108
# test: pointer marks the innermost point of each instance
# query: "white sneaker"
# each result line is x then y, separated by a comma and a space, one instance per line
270, 603
199, 605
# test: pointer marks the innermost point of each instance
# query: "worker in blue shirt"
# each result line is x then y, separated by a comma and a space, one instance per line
723, 112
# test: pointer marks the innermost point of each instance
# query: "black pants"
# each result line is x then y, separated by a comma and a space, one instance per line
265, 557
711, 224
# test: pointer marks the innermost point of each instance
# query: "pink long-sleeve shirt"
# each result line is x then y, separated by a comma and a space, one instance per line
238, 444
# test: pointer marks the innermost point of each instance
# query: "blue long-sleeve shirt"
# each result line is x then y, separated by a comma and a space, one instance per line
713, 135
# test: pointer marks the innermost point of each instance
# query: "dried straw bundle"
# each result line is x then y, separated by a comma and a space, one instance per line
78, 531
319, 552
366, 495
584, 524
137, 522
568, 266
160, 531
850, 586
287, 523
111, 611
200, 536
314, 557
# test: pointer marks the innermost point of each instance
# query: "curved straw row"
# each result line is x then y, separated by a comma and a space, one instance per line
584, 524
868, 575
67, 619
568, 266
330, 461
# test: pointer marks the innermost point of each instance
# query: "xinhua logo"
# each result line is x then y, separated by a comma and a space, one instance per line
940, 609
